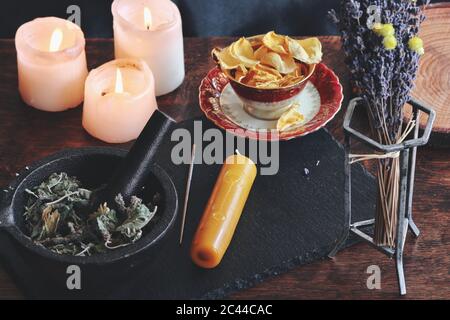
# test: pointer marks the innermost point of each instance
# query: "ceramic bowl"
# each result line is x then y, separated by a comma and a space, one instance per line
269, 103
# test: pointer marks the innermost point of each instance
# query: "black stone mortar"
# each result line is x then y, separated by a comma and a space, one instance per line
109, 171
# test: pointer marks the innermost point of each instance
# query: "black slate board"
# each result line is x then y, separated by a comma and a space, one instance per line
290, 219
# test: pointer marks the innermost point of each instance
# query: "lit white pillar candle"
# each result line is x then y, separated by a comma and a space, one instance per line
119, 100
151, 30
51, 63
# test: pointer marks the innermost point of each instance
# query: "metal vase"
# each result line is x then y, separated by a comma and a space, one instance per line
407, 153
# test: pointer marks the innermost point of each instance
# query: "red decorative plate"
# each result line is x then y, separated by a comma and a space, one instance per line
318, 102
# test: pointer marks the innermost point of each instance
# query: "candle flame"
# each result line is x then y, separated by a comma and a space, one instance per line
119, 82
147, 18
56, 40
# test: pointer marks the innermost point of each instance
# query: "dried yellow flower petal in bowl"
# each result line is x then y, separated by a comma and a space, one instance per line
290, 118
269, 71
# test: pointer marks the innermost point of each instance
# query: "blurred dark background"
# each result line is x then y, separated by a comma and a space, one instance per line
200, 17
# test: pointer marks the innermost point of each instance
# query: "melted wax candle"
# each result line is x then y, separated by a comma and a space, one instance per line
151, 30
51, 63
119, 100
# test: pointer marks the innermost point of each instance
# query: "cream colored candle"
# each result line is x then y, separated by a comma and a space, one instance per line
51, 63
151, 30
119, 100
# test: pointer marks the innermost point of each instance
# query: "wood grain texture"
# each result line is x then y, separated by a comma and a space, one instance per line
27, 135
433, 80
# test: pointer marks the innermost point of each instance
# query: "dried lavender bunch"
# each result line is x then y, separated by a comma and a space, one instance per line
383, 76
383, 58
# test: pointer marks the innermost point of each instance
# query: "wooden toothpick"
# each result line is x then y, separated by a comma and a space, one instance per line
186, 196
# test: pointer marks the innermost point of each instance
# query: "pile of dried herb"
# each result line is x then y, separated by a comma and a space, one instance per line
57, 217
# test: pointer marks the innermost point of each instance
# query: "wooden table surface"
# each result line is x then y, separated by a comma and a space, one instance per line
27, 135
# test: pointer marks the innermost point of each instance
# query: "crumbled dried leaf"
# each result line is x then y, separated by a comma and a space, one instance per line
56, 217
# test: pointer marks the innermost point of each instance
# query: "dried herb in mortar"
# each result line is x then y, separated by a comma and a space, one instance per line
57, 217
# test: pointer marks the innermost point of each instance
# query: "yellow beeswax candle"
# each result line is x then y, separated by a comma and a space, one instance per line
223, 211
